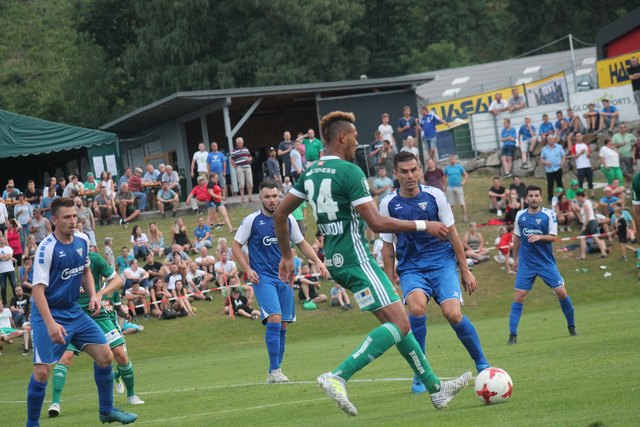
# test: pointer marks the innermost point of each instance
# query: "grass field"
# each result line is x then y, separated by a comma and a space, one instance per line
210, 370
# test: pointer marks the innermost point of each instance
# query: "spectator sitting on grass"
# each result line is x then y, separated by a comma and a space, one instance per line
123, 260
589, 226
339, 297
134, 274
19, 307
566, 212
618, 191
520, 187
182, 305
177, 256
8, 329
156, 240
159, 298
513, 206
181, 234
140, 242
240, 306
497, 196
202, 235
607, 202
154, 268
225, 269
109, 256
223, 247
474, 244
198, 282
25, 275
205, 262
245, 290
505, 248
171, 278
309, 284
137, 300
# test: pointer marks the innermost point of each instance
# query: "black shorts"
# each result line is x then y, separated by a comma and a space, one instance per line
622, 230
590, 228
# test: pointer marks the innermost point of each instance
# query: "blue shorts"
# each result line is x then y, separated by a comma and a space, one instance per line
81, 330
275, 297
441, 284
430, 143
525, 278
214, 204
508, 150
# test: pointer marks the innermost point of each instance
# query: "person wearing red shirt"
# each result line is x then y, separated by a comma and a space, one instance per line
199, 197
215, 192
135, 186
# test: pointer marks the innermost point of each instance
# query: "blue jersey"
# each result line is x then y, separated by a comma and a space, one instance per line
539, 255
216, 161
610, 109
59, 268
428, 124
454, 175
524, 131
418, 250
546, 127
506, 133
258, 232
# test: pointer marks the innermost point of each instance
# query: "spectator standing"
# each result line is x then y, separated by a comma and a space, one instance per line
199, 197
428, 123
273, 168
610, 162
85, 216
433, 175
375, 148
552, 158
23, 213
216, 205
109, 256
32, 194
313, 146
285, 147
517, 101
407, 125
386, 130
382, 184
526, 140
387, 156
609, 114
498, 105
45, 206
217, 163
125, 201
508, 140
624, 141
40, 226
582, 154
135, 186
167, 199
124, 178
633, 72
241, 161
296, 162
172, 178
7, 271
455, 178
199, 162
12, 236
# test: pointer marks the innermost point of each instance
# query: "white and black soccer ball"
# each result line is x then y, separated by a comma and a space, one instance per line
493, 385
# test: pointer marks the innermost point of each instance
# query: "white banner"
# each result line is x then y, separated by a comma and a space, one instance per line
620, 96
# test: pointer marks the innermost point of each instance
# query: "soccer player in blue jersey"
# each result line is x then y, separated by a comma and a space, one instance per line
277, 306
60, 268
535, 228
427, 266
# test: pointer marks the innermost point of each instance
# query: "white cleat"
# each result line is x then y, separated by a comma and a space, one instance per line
336, 389
119, 386
135, 400
277, 376
448, 390
54, 410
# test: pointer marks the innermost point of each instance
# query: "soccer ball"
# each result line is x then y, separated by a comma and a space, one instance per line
493, 385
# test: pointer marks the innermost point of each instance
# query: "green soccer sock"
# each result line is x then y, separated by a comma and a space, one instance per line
411, 351
126, 373
375, 344
59, 378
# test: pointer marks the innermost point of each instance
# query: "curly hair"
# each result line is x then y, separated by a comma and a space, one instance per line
335, 122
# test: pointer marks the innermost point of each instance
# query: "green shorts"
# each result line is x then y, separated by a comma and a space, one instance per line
371, 288
612, 173
111, 333
8, 331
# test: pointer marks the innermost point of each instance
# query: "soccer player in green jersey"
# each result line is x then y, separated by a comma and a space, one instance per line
107, 321
338, 193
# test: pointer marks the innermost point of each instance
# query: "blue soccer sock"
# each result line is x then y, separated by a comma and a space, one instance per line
272, 339
283, 340
419, 329
514, 317
35, 397
567, 309
469, 338
104, 383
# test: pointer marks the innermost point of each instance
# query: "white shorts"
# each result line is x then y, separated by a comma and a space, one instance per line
244, 175
455, 196
526, 143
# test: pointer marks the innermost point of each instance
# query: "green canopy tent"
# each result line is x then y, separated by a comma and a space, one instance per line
32, 148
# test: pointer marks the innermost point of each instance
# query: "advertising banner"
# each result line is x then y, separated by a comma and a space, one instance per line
550, 90
613, 71
620, 96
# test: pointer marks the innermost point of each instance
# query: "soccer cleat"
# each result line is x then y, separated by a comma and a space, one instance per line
513, 338
417, 386
119, 386
336, 389
118, 415
135, 400
54, 410
448, 390
572, 331
277, 376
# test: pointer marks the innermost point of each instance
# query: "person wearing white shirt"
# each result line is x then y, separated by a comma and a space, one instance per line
387, 131
200, 158
205, 262
135, 273
589, 227
610, 162
4, 216
7, 271
410, 146
583, 163
498, 105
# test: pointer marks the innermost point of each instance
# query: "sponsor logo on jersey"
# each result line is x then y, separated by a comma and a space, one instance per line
68, 273
423, 205
398, 206
529, 231
61, 254
337, 260
79, 251
268, 240
261, 222
538, 220
331, 228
